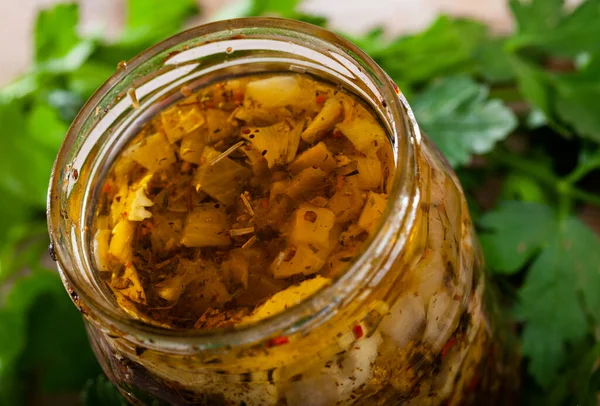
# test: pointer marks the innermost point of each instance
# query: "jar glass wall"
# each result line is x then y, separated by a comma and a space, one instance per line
409, 322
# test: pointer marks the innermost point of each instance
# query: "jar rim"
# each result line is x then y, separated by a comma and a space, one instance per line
404, 195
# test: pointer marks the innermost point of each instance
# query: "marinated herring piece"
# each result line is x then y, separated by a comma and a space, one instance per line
235, 199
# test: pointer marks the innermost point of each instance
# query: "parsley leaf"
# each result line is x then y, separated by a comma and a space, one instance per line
58, 47
544, 24
536, 16
22, 245
56, 32
283, 8
494, 63
533, 84
568, 267
278, 8
568, 100
11, 345
39, 328
457, 115
49, 349
577, 98
560, 291
509, 255
25, 166
446, 47
150, 21
46, 127
88, 77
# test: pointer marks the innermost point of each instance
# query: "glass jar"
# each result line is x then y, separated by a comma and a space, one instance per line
410, 322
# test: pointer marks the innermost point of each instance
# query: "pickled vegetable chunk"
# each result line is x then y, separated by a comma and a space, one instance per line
241, 200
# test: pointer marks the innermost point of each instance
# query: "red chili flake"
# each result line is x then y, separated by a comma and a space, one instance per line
281, 340
358, 331
238, 97
229, 50
265, 203
448, 346
396, 88
310, 216
245, 131
106, 188
321, 98
75, 174
473, 383
337, 134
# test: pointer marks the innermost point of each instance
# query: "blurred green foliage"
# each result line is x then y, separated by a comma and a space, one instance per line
525, 104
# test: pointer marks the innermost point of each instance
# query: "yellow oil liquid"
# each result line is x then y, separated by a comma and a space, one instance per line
241, 200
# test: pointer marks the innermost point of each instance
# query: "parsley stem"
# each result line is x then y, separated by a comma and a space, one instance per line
541, 173
583, 196
563, 187
564, 206
583, 169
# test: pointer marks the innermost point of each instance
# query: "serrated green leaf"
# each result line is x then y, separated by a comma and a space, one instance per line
282, 8
446, 47
271, 8
45, 328
55, 328
14, 212
533, 84
373, 42
577, 96
536, 16
22, 246
12, 343
101, 392
150, 21
494, 63
506, 242
25, 166
46, 127
457, 116
545, 25
23, 86
567, 100
13, 329
582, 245
88, 77
56, 32
559, 295
66, 102
234, 9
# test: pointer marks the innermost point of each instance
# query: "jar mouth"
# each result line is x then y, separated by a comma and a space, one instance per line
66, 218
